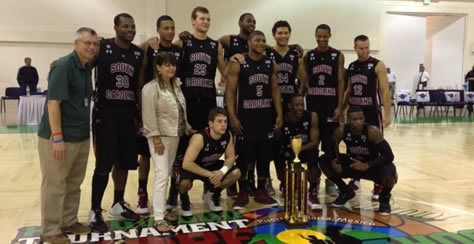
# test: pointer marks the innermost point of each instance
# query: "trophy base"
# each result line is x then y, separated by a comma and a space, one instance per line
295, 224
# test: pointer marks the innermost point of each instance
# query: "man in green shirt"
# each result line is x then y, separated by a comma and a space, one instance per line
64, 142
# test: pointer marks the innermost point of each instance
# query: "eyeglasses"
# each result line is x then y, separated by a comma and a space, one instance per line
90, 43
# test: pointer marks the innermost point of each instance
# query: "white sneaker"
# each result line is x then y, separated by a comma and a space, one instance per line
120, 211
171, 207
213, 201
186, 213
142, 205
186, 206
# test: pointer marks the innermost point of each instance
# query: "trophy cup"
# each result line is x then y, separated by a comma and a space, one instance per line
296, 188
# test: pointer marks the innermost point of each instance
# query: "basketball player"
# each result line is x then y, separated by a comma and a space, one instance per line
368, 156
303, 124
287, 61
115, 117
323, 83
202, 159
252, 115
232, 45
367, 82
201, 56
166, 30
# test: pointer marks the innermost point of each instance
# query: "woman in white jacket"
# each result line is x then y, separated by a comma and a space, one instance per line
164, 121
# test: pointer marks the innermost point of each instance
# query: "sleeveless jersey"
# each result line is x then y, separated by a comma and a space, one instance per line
363, 80
302, 129
117, 73
255, 104
236, 45
199, 68
152, 53
287, 68
321, 68
213, 149
359, 146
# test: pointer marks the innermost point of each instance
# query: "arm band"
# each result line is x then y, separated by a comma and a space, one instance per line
224, 169
58, 140
386, 154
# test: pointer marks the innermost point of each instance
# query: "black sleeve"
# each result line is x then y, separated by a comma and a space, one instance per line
386, 154
35, 76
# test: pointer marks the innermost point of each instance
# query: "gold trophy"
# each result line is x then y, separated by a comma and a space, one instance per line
296, 144
296, 189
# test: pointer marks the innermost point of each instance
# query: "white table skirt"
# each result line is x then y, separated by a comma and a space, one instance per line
30, 110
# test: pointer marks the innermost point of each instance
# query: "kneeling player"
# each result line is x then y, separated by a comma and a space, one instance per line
202, 159
368, 156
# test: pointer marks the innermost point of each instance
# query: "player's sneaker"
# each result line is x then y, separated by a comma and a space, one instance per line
241, 201
343, 198
120, 210
142, 205
355, 185
263, 197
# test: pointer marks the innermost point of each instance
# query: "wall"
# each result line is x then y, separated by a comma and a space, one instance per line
446, 34
441, 8
404, 46
43, 29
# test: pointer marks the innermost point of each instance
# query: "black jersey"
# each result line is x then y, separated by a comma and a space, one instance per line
359, 146
255, 104
117, 73
199, 68
364, 84
287, 68
151, 54
236, 45
301, 129
322, 71
213, 149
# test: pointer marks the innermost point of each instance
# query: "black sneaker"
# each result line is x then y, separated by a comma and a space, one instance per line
96, 221
172, 201
252, 188
232, 191
343, 198
120, 210
384, 206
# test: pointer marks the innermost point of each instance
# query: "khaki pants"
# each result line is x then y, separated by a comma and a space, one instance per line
61, 184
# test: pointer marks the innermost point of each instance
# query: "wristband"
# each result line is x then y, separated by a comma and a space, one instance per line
58, 140
57, 133
224, 169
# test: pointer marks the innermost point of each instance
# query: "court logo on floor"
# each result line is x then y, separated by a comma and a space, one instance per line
355, 225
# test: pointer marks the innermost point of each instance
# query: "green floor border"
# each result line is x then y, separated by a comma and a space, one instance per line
17, 129
421, 120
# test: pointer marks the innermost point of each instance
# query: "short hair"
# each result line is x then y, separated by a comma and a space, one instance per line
323, 27
354, 109
294, 96
27, 58
255, 33
82, 30
242, 17
163, 18
118, 16
198, 9
280, 23
216, 111
165, 58
362, 38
